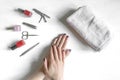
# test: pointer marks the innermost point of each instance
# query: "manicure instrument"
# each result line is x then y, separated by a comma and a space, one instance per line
25, 12
29, 49
42, 15
25, 35
30, 25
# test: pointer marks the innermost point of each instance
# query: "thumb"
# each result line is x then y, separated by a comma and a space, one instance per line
67, 52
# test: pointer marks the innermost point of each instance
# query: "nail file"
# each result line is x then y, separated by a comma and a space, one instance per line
30, 25
29, 49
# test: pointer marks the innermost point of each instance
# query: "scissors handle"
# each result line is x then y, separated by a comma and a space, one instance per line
24, 35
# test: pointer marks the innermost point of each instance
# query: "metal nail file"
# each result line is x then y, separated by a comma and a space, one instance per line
30, 25
29, 49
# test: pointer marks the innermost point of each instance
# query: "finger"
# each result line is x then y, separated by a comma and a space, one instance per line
55, 52
67, 52
62, 41
51, 54
59, 39
63, 56
65, 42
51, 58
45, 66
55, 41
59, 53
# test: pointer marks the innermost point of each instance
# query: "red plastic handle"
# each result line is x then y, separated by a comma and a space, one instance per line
20, 43
27, 13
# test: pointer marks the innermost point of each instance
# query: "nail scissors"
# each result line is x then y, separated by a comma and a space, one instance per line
25, 35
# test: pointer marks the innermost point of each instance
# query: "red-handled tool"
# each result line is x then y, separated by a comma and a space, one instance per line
25, 12
18, 44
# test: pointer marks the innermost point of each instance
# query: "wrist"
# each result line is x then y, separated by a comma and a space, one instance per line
37, 76
57, 78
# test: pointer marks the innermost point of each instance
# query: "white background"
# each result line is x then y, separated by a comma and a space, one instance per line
82, 64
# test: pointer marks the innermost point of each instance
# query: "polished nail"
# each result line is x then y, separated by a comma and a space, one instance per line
69, 50
67, 36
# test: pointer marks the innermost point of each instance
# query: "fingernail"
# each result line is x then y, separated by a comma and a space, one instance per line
54, 46
44, 59
69, 50
67, 36
63, 50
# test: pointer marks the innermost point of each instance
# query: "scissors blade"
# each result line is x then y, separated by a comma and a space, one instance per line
33, 35
40, 19
40, 13
44, 19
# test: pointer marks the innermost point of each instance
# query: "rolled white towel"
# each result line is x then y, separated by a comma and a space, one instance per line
91, 29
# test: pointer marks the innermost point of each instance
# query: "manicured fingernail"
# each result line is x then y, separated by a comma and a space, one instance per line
63, 50
44, 59
69, 50
67, 36
53, 45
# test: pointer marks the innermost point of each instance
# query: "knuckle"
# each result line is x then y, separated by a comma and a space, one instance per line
59, 47
54, 46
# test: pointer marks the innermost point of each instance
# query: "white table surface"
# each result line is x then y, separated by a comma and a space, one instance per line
82, 64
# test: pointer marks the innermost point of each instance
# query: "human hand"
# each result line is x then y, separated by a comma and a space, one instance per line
54, 64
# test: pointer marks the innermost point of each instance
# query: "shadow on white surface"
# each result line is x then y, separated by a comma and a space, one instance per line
36, 64
11, 44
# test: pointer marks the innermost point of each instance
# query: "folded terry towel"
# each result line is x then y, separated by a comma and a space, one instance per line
92, 30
